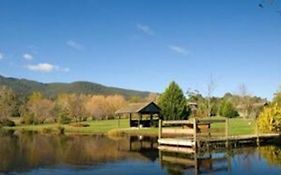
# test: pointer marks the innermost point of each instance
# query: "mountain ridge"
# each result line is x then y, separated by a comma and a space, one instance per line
25, 87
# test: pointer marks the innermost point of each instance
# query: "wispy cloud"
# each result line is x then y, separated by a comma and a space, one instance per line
74, 45
27, 56
46, 67
178, 49
145, 29
1, 56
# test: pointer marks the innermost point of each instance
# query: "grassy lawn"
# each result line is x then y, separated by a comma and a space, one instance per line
237, 126
95, 127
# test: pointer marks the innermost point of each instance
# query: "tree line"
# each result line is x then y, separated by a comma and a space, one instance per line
176, 105
65, 108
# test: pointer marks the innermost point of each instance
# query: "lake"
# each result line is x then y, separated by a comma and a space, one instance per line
30, 153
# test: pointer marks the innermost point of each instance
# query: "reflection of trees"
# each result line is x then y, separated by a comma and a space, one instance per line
271, 154
21, 152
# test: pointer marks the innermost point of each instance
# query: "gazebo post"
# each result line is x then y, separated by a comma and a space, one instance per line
151, 117
130, 119
140, 117
118, 120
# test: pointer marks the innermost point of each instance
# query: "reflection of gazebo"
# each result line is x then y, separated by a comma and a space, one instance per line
141, 114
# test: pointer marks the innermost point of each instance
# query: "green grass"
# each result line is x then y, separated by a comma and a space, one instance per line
237, 126
95, 127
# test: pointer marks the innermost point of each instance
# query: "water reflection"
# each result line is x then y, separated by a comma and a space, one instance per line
25, 152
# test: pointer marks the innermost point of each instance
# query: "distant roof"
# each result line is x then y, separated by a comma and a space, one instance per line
145, 108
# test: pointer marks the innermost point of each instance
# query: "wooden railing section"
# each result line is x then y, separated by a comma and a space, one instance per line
191, 129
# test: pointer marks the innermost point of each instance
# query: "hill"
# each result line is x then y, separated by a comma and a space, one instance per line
24, 87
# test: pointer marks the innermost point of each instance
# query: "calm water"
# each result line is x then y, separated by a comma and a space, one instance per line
29, 153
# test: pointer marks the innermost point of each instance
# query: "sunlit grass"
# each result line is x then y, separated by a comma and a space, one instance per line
237, 126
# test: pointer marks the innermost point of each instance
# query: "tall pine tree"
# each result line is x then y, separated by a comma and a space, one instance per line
173, 103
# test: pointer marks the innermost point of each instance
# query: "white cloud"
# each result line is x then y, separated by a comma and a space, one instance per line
74, 45
1, 56
46, 67
145, 29
178, 49
27, 56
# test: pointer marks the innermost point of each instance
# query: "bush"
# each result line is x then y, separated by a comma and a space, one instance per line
7, 122
269, 119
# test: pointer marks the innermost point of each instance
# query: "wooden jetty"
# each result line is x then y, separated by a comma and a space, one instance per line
194, 133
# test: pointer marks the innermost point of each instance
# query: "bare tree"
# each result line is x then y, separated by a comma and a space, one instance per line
245, 103
211, 88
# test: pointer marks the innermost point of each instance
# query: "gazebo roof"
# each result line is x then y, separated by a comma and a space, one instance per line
145, 108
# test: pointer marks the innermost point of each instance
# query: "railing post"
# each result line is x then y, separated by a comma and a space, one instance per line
160, 129
257, 134
226, 131
195, 133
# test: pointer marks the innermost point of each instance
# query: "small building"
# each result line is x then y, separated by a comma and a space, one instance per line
141, 114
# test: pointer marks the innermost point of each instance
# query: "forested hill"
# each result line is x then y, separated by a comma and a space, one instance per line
25, 87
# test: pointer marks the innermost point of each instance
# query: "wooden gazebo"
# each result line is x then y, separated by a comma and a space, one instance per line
141, 114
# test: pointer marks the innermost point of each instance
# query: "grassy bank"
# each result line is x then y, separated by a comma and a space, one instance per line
237, 126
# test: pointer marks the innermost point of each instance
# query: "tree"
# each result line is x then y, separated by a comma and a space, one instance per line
227, 109
152, 97
76, 107
277, 97
201, 109
7, 102
245, 101
269, 119
38, 109
101, 107
62, 109
211, 87
173, 103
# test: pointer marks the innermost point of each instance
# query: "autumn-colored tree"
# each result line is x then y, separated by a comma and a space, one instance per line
38, 109
7, 102
76, 107
114, 103
101, 107
62, 109
269, 119
96, 107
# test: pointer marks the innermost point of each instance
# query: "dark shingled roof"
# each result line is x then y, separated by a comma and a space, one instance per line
149, 107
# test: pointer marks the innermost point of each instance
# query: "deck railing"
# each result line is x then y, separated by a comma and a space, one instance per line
192, 129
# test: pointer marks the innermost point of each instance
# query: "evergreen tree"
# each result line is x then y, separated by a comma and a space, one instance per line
173, 103
227, 110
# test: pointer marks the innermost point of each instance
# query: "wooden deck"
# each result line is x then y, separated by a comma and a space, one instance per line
193, 133
188, 142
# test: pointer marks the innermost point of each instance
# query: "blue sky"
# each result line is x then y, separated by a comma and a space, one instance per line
144, 44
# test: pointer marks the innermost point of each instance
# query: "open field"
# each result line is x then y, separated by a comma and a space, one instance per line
237, 126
